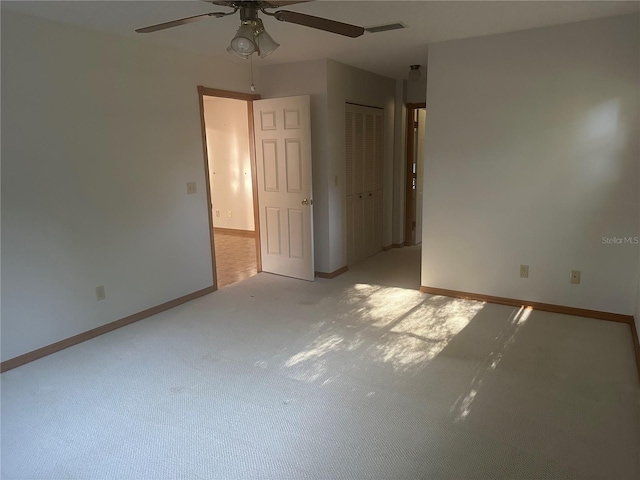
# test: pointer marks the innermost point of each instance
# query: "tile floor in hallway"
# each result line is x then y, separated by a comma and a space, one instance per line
235, 257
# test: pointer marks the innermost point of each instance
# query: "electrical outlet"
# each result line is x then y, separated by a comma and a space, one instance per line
229, 214
575, 277
524, 271
100, 295
217, 212
191, 188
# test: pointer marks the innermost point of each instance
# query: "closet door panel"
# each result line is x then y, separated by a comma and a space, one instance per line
349, 137
358, 153
377, 221
358, 228
350, 237
369, 224
369, 144
364, 159
378, 159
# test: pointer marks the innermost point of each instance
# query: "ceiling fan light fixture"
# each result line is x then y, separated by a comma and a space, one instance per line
233, 52
251, 36
243, 44
266, 44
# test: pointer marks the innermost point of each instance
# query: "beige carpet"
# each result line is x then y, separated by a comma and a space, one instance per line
356, 377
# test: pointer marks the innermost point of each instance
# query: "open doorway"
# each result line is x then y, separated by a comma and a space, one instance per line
227, 124
416, 123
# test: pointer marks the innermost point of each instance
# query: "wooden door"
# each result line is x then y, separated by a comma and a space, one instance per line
283, 157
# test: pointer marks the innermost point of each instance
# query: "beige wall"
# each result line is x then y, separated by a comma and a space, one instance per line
331, 84
227, 126
532, 157
399, 162
353, 85
417, 89
308, 78
100, 135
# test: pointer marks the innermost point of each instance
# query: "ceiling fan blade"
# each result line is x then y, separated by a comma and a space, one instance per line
285, 3
257, 4
182, 21
332, 26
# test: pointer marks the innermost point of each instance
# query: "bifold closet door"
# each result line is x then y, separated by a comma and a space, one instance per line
364, 142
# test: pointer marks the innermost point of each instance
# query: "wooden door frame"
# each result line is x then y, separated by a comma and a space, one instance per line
249, 98
409, 203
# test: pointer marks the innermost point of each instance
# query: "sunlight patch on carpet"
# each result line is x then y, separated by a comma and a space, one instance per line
397, 327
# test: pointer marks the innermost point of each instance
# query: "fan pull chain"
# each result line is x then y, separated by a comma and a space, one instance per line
253, 87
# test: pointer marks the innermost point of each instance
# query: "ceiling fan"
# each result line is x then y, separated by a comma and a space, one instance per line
251, 36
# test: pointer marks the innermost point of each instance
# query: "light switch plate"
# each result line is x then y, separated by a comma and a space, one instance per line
191, 188
100, 295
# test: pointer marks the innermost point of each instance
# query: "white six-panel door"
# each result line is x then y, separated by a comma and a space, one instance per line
283, 157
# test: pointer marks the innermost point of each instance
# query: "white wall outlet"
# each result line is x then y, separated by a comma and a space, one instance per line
229, 214
217, 212
575, 277
524, 271
191, 188
100, 295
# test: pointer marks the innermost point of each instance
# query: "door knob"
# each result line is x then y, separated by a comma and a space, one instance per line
307, 202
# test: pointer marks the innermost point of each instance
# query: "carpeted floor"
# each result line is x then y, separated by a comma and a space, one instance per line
352, 378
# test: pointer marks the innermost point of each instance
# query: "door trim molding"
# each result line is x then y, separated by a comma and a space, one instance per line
409, 213
249, 98
89, 334
254, 184
214, 92
207, 182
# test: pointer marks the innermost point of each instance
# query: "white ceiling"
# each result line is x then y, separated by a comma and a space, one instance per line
387, 53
